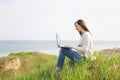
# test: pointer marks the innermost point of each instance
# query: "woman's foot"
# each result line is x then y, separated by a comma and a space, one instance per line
56, 70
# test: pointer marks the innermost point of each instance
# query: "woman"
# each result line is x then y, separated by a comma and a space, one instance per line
83, 50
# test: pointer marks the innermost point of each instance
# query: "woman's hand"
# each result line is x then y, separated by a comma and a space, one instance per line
67, 46
79, 45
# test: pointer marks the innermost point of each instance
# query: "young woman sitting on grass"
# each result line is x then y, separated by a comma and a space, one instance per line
82, 51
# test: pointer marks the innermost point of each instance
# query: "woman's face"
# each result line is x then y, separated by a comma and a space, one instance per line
78, 27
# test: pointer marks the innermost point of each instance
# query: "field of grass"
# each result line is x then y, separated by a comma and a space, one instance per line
40, 67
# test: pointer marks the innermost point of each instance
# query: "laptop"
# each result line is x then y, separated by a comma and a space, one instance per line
58, 42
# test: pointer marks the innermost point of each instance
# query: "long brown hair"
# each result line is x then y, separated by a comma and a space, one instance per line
83, 25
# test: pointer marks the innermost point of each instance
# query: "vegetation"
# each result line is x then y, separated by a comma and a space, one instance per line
40, 67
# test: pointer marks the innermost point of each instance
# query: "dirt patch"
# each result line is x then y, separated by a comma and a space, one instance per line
1, 69
111, 51
12, 63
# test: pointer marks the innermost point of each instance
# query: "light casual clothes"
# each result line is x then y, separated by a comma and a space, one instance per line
85, 48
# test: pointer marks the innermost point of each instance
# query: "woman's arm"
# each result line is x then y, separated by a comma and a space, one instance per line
85, 44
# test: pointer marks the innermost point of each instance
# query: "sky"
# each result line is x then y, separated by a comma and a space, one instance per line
42, 19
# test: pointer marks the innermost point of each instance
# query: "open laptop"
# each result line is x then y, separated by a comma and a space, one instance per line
58, 42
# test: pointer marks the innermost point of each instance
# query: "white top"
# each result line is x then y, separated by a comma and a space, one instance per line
85, 48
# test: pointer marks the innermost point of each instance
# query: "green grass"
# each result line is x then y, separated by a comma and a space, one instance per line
40, 67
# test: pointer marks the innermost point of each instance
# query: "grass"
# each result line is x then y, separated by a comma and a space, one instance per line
40, 67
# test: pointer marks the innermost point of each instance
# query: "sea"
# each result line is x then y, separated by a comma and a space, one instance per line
47, 47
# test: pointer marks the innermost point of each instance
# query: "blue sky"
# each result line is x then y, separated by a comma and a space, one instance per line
41, 19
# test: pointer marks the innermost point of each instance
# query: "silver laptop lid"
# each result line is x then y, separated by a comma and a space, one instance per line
57, 40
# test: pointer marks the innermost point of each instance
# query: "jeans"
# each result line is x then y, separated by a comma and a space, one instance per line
74, 56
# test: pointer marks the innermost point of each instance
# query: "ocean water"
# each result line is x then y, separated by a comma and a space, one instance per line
49, 47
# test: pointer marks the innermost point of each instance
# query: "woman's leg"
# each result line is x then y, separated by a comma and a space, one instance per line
74, 56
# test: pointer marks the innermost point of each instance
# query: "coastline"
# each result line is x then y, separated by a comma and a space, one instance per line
55, 52
49, 52
13, 46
